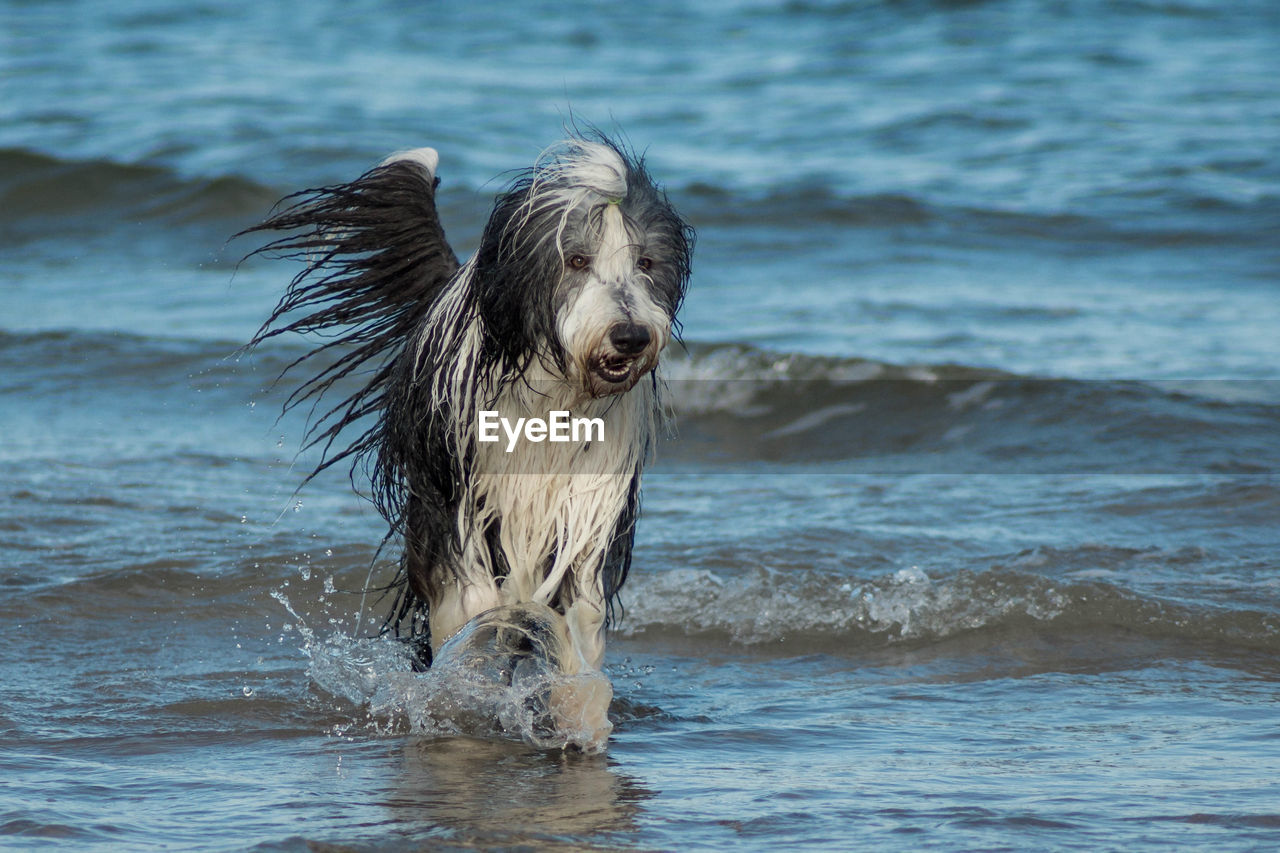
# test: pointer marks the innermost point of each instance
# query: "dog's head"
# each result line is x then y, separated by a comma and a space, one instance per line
582, 267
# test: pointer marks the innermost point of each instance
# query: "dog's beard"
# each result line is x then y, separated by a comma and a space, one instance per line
613, 337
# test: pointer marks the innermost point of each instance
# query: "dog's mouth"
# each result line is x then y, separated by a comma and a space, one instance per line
614, 368
610, 373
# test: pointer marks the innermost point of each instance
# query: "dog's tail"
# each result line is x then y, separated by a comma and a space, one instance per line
375, 259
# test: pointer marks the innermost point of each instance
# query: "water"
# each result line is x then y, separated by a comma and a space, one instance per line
968, 538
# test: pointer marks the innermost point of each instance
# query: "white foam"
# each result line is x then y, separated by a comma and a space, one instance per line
769, 606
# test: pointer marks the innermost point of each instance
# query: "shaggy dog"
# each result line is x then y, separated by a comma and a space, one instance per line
562, 313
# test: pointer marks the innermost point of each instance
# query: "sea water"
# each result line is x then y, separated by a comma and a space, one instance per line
967, 534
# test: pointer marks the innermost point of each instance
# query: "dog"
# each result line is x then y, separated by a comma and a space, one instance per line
563, 311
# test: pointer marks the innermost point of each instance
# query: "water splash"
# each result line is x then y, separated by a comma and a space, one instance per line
501, 676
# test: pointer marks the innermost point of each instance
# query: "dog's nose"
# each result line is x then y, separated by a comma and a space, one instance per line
628, 338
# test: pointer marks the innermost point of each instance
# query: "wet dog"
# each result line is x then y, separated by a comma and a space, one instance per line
560, 316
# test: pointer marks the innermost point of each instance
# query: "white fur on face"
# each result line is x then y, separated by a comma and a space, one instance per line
616, 291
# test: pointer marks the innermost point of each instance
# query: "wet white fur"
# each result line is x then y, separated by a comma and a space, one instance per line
427, 158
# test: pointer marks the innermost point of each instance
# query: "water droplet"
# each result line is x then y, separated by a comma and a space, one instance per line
247, 691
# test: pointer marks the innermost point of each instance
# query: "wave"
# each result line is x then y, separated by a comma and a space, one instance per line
796, 611
1173, 215
41, 194
1082, 591
49, 362
735, 404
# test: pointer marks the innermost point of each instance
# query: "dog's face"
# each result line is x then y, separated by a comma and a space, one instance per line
622, 282
586, 265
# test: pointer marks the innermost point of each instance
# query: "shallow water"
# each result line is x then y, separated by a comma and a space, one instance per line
968, 534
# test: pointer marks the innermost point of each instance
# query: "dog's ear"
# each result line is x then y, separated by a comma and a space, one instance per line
376, 258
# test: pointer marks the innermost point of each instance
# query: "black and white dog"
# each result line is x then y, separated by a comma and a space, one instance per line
565, 308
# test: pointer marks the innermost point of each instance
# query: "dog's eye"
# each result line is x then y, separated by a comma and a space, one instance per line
645, 264
579, 262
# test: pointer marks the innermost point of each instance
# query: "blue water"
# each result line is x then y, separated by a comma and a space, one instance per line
968, 536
